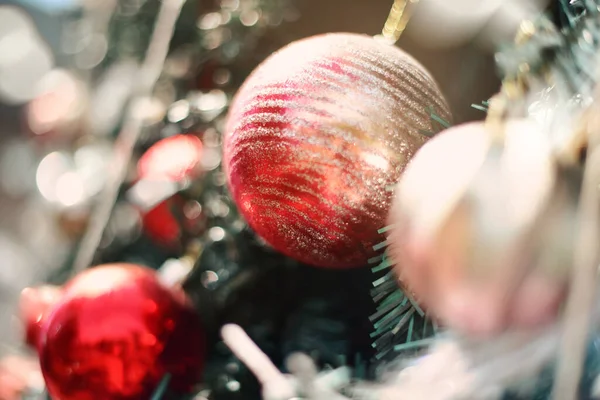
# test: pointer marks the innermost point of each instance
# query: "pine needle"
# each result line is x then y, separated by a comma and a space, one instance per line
161, 389
398, 321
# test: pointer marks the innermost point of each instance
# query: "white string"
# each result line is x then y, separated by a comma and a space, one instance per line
125, 143
275, 385
314, 385
305, 380
582, 292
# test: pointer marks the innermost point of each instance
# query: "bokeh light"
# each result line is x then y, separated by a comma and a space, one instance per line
24, 57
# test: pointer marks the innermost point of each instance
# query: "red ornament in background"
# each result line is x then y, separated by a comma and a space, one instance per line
176, 159
35, 305
161, 225
116, 333
316, 135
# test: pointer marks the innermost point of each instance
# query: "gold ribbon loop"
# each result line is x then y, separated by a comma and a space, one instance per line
397, 19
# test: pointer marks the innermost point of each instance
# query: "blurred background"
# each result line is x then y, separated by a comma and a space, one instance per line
66, 68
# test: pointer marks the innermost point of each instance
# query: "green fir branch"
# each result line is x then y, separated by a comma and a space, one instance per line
437, 124
484, 106
399, 323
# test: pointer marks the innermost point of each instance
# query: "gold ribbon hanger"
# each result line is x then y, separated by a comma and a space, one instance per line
513, 89
397, 20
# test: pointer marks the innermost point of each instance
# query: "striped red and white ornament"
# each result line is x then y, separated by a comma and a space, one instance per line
315, 136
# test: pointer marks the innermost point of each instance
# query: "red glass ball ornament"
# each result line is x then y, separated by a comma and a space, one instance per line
161, 225
175, 158
35, 304
314, 137
174, 220
116, 333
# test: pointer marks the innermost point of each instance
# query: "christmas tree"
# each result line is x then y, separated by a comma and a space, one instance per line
211, 216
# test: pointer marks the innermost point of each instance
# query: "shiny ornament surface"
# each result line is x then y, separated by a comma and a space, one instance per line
174, 221
161, 225
314, 137
482, 233
175, 159
116, 333
35, 305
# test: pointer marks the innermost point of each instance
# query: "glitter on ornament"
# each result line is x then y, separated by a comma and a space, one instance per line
314, 137
115, 335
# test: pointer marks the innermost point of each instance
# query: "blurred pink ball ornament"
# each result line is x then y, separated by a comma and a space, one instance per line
482, 233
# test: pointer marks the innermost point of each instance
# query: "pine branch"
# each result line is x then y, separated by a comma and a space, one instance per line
400, 325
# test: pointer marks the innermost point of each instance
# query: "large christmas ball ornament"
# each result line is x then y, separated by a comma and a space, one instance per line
116, 333
483, 233
314, 137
